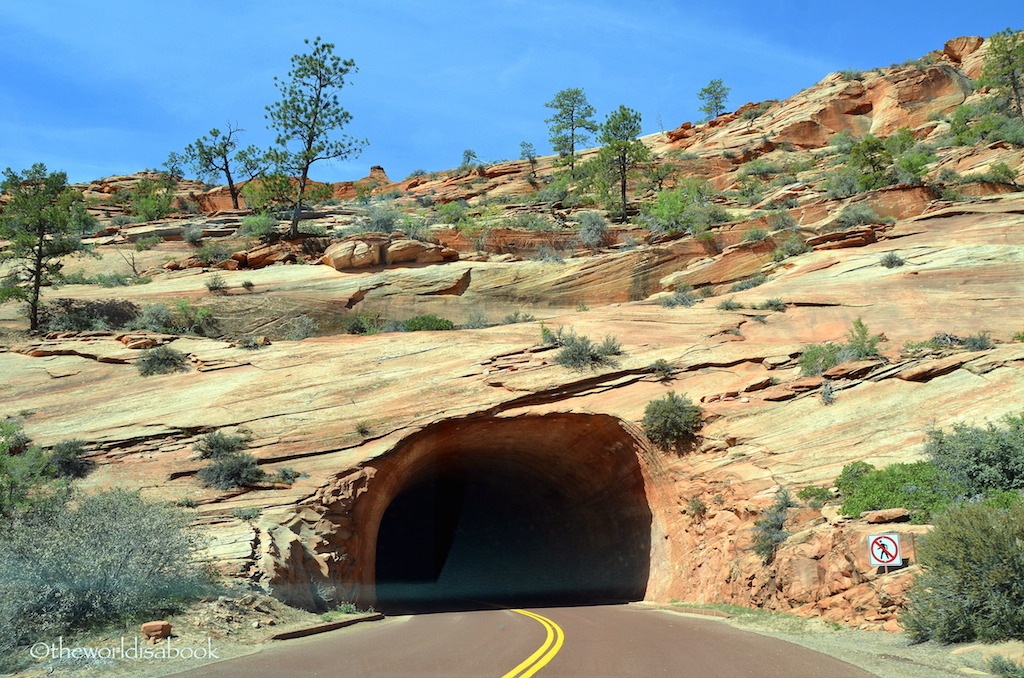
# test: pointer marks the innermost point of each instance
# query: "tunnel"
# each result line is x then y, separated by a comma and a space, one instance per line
529, 510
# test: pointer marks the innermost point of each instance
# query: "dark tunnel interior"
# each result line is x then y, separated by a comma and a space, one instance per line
469, 533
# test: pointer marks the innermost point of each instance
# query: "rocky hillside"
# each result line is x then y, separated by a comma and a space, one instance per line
357, 414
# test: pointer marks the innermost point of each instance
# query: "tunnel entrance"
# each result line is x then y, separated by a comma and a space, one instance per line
516, 517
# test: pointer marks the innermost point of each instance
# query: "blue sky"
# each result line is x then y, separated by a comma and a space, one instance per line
110, 87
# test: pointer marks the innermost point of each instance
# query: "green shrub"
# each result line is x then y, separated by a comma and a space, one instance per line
768, 531
780, 220
1000, 665
750, 283
111, 557
686, 208
986, 122
111, 280
678, 298
123, 220
662, 369
260, 224
517, 317
773, 304
152, 200
213, 253
247, 512
238, 469
696, 507
247, 285
66, 459
891, 260
363, 428
79, 315
428, 323
857, 215
817, 358
671, 420
143, 244
851, 476
453, 212
580, 353
921, 488
302, 327
860, 342
851, 74
760, 167
529, 221
286, 475
793, 246
755, 234
814, 496
841, 183
593, 229
381, 219
193, 235
161, 360
215, 444
548, 254
978, 460
969, 588
476, 320
980, 342
842, 142
13, 438
216, 283
729, 304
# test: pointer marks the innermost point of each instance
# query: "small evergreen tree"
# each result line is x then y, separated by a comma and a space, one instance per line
573, 118
1003, 69
622, 152
528, 152
39, 221
305, 117
714, 97
210, 156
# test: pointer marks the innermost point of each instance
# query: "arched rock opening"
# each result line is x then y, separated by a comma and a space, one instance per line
519, 510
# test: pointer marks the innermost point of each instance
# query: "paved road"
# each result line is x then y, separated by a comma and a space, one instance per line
562, 642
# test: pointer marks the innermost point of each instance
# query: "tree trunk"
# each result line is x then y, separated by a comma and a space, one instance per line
37, 281
293, 232
622, 180
231, 188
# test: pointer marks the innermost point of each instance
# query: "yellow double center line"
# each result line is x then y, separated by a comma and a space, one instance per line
545, 653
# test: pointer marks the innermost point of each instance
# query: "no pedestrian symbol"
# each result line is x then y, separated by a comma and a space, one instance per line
885, 550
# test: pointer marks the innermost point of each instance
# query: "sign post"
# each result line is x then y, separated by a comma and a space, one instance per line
885, 550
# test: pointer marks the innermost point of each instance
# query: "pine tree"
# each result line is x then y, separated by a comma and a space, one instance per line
573, 118
41, 222
211, 156
714, 97
1003, 69
622, 152
307, 115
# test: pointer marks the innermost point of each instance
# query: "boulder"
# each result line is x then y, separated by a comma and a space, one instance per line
893, 515
265, 255
156, 629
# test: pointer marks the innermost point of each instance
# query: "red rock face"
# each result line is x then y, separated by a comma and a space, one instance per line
592, 463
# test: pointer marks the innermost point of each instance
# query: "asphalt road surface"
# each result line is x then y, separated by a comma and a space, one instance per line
554, 642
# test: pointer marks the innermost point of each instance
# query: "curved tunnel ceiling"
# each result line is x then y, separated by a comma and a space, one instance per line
513, 511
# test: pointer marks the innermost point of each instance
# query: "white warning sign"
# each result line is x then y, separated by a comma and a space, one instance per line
885, 550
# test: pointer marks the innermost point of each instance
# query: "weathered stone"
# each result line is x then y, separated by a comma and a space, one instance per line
893, 515
156, 629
